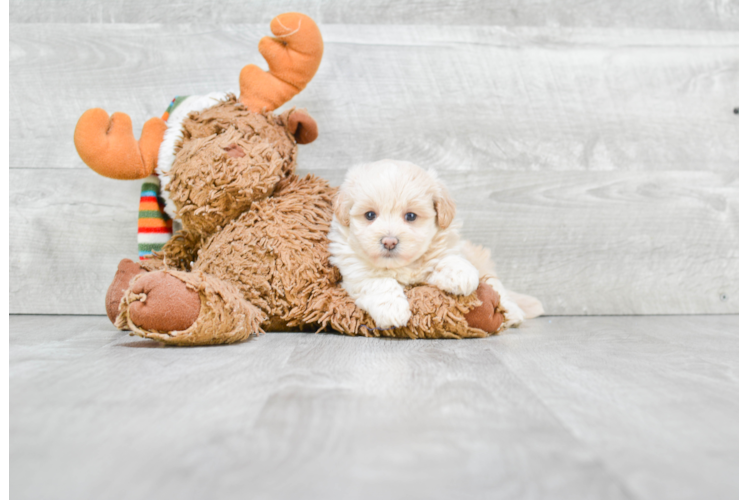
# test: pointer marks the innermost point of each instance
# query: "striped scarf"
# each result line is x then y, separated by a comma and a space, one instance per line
155, 227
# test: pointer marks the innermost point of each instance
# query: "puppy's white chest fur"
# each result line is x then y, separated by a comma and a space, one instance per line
354, 264
379, 290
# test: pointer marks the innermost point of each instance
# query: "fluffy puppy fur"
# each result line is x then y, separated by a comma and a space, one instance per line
393, 225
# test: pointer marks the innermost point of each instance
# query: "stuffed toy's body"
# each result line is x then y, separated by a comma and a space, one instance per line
252, 252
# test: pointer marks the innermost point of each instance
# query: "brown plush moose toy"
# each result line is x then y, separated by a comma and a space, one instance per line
252, 252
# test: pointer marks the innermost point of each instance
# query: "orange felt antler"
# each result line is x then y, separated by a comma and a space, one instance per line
293, 58
108, 146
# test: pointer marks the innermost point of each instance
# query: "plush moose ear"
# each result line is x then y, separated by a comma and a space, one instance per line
302, 126
444, 206
341, 207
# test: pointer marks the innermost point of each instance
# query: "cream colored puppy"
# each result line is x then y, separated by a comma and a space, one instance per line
393, 226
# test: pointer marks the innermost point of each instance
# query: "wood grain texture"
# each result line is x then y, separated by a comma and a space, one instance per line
743, 231
563, 408
457, 98
664, 14
599, 165
583, 242
71, 229
743, 154
743, 392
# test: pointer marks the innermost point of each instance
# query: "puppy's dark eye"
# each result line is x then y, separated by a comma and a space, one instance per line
370, 215
410, 217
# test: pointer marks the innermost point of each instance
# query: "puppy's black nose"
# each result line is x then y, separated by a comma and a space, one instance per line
389, 242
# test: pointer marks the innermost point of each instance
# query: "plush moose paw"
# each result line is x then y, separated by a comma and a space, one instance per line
486, 316
166, 304
456, 275
126, 270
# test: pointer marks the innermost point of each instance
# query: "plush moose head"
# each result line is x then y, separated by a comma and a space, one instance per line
216, 154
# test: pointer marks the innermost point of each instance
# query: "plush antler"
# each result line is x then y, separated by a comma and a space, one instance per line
108, 146
293, 57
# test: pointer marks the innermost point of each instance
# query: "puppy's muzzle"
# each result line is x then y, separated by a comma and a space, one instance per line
389, 242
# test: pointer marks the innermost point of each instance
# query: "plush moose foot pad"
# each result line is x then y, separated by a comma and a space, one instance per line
167, 304
486, 316
125, 272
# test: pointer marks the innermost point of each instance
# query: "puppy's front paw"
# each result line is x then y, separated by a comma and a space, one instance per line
514, 315
455, 275
388, 313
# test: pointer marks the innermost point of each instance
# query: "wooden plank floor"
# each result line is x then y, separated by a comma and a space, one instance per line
565, 407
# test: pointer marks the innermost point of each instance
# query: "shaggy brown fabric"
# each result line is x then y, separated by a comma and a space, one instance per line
179, 252
254, 245
153, 264
278, 246
210, 187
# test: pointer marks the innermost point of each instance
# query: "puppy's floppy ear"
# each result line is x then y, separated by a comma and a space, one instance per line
341, 207
444, 206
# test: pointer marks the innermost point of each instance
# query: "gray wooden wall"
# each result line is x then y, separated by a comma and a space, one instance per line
743, 99
592, 145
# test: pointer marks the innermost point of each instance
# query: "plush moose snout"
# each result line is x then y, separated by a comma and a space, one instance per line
234, 150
